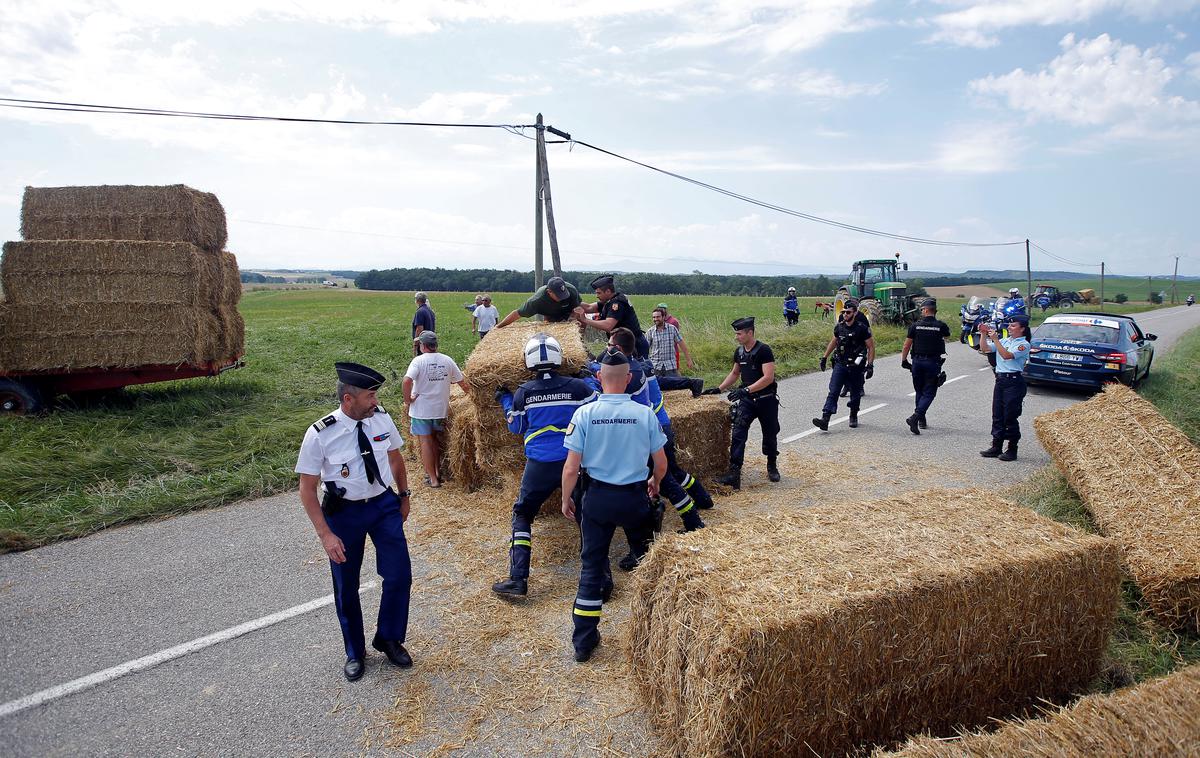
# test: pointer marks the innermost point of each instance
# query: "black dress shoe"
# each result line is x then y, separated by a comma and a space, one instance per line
354, 669
394, 651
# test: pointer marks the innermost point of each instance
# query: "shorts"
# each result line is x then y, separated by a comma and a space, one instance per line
424, 426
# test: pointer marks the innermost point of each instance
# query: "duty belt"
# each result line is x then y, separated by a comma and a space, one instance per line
926, 356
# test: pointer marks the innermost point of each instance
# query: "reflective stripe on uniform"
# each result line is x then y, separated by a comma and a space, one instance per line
659, 407
589, 603
688, 481
683, 506
580, 612
522, 543
543, 430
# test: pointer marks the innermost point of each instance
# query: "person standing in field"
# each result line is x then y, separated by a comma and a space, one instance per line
427, 394
424, 320
665, 344
485, 317
355, 451
675, 323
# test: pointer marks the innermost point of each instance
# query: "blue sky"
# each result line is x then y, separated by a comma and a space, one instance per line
1073, 123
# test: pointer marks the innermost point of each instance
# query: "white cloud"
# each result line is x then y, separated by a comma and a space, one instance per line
1098, 83
1193, 63
769, 27
980, 149
814, 84
976, 22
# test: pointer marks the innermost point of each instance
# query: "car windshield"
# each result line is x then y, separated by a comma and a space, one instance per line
1095, 334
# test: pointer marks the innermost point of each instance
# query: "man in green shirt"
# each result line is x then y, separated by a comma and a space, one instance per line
556, 301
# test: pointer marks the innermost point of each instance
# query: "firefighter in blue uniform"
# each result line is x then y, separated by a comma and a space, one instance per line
355, 451
539, 410
1012, 353
853, 351
926, 342
612, 439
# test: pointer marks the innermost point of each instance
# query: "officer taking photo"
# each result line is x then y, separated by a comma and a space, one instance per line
756, 398
613, 438
853, 351
1012, 353
355, 451
926, 343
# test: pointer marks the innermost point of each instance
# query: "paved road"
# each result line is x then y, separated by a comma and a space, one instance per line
73, 609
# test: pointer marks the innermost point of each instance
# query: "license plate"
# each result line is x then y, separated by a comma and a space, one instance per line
1065, 358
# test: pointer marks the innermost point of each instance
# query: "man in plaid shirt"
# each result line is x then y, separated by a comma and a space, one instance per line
663, 338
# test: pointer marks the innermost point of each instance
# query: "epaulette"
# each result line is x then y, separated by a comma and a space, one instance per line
379, 409
325, 423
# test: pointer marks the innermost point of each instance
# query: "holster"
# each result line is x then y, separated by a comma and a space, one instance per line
332, 502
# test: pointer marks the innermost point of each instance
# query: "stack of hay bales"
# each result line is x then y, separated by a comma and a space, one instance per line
1140, 477
703, 429
1159, 718
119, 277
855, 623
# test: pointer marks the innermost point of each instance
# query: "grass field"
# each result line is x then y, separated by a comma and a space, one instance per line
1139, 647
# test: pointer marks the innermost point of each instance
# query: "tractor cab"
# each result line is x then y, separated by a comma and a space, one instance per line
881, 293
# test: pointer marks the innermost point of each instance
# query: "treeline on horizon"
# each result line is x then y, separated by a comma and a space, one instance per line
640, 283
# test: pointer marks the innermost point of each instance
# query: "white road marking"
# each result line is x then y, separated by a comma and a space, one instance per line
985, 368
162, 656
814, 430
948, 381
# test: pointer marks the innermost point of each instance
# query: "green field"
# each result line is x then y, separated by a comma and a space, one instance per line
162, 449
1134, 287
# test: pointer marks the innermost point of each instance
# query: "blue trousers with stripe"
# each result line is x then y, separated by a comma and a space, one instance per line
604, 508
380, 518
538, 482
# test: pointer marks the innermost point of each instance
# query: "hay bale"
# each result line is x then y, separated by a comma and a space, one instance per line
70, 271
702, 432
499, 358
1140, 478
88, 335
231, 328
1159, 718
231, 280
860, 622
462, 443
173, 213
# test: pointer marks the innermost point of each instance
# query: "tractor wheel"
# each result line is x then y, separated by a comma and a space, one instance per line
872, 310
839, 301
19, 398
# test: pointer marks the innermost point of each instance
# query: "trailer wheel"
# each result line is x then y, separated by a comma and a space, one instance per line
19, 398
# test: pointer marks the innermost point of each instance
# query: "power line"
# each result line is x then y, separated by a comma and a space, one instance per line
1063, 260
791, 212
69, 107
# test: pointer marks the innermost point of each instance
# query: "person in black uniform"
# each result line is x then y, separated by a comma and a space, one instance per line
756, 398
926, 343
613, 310
613, 438
853, 350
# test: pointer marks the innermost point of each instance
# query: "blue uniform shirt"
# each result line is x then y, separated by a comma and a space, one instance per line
638, 387
1019, 347
540, 411
616, 437
655, 397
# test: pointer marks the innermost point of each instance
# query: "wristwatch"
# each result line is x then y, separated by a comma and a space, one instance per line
404, 493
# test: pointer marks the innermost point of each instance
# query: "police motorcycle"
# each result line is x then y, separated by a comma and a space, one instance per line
1001, 312
1191, 300
972, 312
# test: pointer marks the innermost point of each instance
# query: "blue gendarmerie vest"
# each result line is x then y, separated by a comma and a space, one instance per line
541, 409
639, 382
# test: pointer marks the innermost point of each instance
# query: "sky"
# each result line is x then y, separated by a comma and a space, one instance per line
1074, 123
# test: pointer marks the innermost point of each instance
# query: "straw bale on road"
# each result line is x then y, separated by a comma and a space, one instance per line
1140, 477
1158, 718
499, 358
702, 432
173, 213
860, 622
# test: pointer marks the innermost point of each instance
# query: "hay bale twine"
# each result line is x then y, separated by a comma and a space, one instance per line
855, 623
172, 213
81, 271
703, 429
1140, 478
499, 358
1156, 718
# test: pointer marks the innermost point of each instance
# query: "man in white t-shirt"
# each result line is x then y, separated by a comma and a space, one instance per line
427, 395
486, 316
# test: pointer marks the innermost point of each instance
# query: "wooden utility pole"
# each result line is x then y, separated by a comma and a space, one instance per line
544, 166
1174, 277
1028, 274
537, 204
1101, 285
1150, 289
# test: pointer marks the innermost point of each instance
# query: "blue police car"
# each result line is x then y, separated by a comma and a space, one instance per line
1089, 350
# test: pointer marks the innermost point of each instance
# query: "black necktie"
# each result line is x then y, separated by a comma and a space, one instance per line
368, 456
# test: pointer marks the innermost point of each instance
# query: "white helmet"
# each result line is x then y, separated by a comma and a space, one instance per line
791, 289
542, 352
1014, 292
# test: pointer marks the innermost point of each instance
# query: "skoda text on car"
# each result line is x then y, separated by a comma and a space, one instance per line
1089, 349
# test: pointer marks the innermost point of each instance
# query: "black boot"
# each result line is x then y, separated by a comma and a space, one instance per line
994, 450
511, 588
823, 422
772, 470
913, 423
628, 563
732, 477
921, 422
853, 419
1011, 453
697, 387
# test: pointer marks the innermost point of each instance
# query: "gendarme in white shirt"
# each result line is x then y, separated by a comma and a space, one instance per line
333, 453
432, 374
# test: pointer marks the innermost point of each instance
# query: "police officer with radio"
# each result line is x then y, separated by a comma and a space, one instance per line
1012, 353
355, 451
540, 410
926, 342
756, 398
612, 439
613, 310
853, 351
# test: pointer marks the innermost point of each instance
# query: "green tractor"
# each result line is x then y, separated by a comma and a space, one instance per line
880, 293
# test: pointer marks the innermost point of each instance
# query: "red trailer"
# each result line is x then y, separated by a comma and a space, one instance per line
29, 392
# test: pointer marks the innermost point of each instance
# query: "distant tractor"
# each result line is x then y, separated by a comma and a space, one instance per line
1049, 296
881, 295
